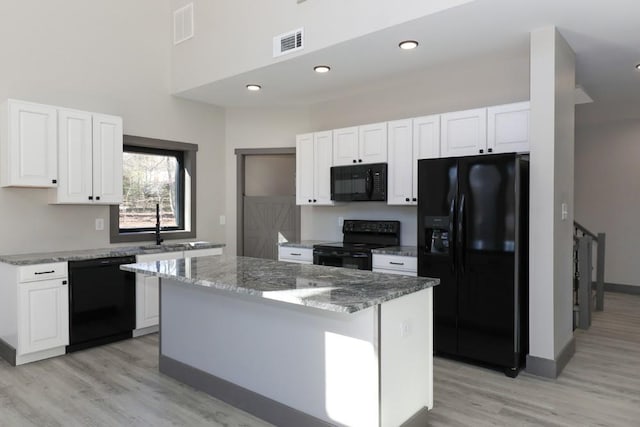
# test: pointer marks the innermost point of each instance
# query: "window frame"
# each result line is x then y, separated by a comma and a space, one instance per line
186, 194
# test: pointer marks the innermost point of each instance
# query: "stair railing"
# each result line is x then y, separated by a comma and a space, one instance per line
583, 268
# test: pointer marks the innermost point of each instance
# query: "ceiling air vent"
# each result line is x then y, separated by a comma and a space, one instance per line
183, 24
288, 42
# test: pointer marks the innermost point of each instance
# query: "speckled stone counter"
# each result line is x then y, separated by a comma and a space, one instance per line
411, 251
304, 244
62, 256
328, 288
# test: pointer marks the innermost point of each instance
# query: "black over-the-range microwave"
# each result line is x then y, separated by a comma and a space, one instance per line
359, 182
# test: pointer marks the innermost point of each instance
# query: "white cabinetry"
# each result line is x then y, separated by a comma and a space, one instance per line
508, 128
34, 302
464, 133
28, 145
409, 141
362, 144
395, 264
295, 255
90, 158
313, 168
148, 288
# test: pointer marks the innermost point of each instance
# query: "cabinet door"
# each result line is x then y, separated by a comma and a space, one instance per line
508, 128
426, 145
31, 146
147, 301
107, 159
399, 178
43, 315
373, 143
74, 157
323, 160
464, 133
345, 146
304, 169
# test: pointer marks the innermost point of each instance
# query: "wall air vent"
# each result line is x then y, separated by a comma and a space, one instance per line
183, 24
288, 42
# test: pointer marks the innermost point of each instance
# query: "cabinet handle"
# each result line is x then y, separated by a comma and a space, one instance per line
296, 254
64, 282
359, 160
97, 197
396, 263
481, 151
314, 200
415, 199
354, 161
90, 197
406, 200
309, 200
490, 150
54, 181
44, 272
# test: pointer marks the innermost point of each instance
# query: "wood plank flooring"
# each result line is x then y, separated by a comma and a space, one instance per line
119, 384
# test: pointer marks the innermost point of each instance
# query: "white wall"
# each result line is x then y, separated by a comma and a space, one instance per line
103, 56
551, 237
607, 184
233, 37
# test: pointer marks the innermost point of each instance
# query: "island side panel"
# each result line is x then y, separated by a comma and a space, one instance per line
406, 357
318, 362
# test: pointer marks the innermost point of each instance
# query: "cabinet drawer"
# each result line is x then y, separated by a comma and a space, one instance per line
32, 273
301, 255
399, 272
159, 256
394, 262
202, 252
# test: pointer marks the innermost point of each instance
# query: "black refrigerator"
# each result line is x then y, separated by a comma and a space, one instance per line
473, 235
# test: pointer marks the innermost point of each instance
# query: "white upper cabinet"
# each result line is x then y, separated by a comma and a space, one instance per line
90, 158
508, 128
373, 143
464, 133
28, 145
409, 141
107, 159
360, 144
345, 146
314, 157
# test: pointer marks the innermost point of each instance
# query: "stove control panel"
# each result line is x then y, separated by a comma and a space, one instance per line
373, 227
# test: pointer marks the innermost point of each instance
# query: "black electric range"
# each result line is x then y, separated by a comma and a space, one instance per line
359, 238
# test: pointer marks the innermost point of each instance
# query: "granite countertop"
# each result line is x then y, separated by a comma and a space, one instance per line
46, 257
304, 244
334, 289
411, 251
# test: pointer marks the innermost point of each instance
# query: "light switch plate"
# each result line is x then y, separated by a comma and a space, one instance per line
223, 220
99, 224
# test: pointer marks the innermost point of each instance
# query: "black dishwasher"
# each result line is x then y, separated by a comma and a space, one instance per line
102, 302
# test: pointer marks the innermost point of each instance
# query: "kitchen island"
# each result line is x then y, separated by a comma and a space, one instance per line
298, 344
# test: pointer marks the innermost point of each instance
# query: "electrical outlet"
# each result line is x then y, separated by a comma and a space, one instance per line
99, 224
223, 220
565, 211
340, 221
405, 328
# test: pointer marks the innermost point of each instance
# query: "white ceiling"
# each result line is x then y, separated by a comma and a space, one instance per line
604, 35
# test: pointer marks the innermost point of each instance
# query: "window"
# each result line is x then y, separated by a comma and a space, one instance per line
158, 177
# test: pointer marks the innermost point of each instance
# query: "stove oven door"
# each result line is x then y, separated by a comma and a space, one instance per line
342, 258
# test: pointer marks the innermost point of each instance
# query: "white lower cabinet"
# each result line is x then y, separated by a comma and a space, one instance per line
395, 264
43, 317
295, 255
34, 310
148, 288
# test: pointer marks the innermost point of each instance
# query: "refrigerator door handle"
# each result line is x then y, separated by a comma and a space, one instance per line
452, 255
461, 236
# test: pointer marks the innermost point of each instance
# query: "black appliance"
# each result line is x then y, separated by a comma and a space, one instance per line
359, 183
359, 237
102, 302
473, 236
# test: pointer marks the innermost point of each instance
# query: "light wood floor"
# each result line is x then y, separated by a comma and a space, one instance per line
119, 384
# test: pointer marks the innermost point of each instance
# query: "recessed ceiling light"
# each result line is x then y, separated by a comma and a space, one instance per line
254, 88
321, 69
638, 67
408, 44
